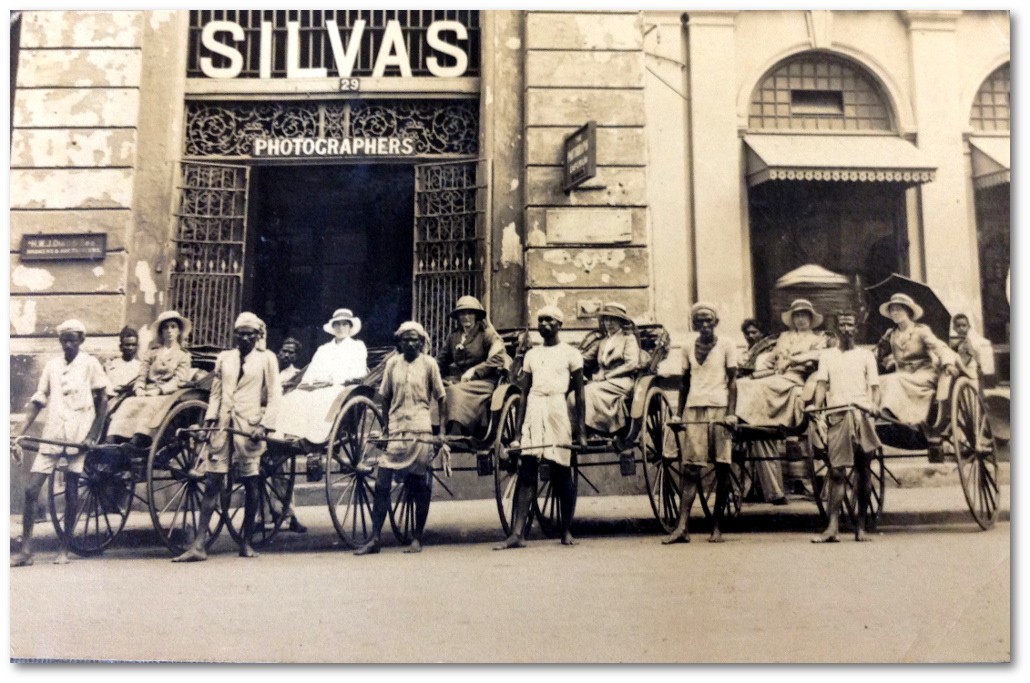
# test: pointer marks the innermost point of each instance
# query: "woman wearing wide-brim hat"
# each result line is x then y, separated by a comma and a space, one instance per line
911, 349
775, 395
618, 359
341, 361
471, 360
165, 369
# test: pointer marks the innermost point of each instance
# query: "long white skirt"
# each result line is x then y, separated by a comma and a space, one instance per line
309, 413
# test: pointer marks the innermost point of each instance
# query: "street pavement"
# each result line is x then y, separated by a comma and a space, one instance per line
931, 587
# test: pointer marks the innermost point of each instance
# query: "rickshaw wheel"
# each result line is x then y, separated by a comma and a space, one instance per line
739, 484
173, 496
105, 495
661, 461
505, 467
277, 474
546, 509
877, 491
975, 452
349, 480
402, 512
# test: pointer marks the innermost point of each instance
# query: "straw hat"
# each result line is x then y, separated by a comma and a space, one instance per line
469, 303
614, 310
343, 314
801, 305
184, 323
902, 300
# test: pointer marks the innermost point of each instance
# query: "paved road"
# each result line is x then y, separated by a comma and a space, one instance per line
930, 588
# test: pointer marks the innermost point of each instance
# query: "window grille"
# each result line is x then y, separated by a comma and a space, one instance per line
991, 107
864, 108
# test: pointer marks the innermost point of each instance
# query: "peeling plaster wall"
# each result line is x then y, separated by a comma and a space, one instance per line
592, 245
74, 141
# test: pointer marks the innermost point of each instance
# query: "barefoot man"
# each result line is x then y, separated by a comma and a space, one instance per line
847, 376
72, 388
707, 401
546, 427
245, 398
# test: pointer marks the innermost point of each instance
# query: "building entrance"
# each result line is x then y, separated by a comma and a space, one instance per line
322, 237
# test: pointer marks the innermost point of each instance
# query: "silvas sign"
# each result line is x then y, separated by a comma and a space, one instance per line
230, 41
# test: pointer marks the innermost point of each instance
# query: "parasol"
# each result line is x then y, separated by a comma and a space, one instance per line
935, 315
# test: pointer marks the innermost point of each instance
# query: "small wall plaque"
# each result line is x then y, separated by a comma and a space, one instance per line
70, 247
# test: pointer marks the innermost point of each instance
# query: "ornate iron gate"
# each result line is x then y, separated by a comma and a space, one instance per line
450, 228
207, 280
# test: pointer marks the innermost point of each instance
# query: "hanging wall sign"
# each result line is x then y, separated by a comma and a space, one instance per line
580, 156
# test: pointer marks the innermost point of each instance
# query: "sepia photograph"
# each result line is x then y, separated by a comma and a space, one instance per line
510, 336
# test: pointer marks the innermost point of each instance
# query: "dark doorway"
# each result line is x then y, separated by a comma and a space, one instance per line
328, 237
853, 229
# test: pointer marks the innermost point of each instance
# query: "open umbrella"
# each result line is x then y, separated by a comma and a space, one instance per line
935, 314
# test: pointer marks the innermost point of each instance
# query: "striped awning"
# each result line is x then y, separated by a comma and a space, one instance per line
991, 161
835, 158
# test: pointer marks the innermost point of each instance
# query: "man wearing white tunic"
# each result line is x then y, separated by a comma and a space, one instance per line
309, 411
546, 428
245, 398
72, 388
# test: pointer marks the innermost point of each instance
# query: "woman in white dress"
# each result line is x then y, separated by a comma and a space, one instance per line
618, 358
308, 411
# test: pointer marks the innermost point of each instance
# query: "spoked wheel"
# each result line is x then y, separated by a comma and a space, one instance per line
505, 465
350, 468
738, 484
547, 511
402, 512
174, 489
877, 491
277, 474
661, 460
975, 452
104, 493
819, 474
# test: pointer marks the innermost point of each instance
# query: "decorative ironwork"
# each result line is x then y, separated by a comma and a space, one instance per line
315, 49
450, 215
207, 279
228, 129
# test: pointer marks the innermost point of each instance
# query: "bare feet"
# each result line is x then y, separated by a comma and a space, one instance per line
370, 548
22, 560
567, 539
677, 536
192, 555
510, 542
414, 547
247, 551
716, 537
826, 537
62, 557
861, 537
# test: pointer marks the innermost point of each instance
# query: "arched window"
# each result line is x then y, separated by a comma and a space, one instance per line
991, 111
819, 92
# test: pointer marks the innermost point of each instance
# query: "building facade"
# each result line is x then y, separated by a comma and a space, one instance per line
293, 162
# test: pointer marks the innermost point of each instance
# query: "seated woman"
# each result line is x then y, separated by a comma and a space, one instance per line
618, 359
770, 396
163, 371
471, 361
907, 392
308, 411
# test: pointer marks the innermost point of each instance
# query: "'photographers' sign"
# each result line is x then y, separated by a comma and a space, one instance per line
71, 247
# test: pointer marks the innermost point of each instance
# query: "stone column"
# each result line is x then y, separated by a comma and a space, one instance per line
949, 238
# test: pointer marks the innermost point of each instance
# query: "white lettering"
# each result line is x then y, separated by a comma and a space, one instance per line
332, 147
273, 147
408, 146
265, 66
395, 146
286, 148
345, 58
438, 44
207, 39
293, 68
308, 147
260, 145
382, 145
345, 147
320, 146
392, 52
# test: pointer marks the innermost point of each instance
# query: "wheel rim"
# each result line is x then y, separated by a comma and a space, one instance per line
975, 456
104, 502
274, 494
349, 483
819, 471
546, 510
505, 470
877, 491
661, 472
173, 497
402, 513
